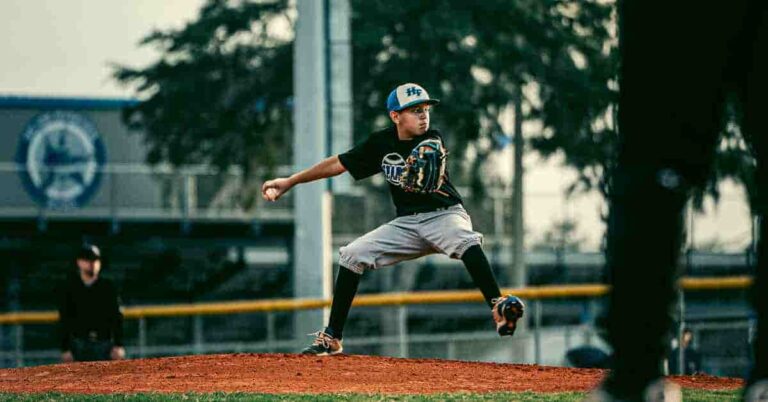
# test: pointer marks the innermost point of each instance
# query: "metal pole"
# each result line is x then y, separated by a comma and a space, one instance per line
312, 201
755, 221
339, 88
451, 350
142, 336
537, 331
691, 237
198, 334
681, 294
186, 224
498, 217
402, 329
19, 345
190, 193
2, 346
518, 274
498, 229
113, 202
591, 314
270, 330
680, 329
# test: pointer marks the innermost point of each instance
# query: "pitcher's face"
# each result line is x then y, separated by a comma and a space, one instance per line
413, 121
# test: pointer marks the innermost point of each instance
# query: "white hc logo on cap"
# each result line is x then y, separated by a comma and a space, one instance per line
413, 91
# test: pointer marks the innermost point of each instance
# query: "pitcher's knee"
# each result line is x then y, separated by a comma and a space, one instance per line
355, 258
461, 242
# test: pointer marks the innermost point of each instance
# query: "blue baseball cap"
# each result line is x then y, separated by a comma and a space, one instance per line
407, 95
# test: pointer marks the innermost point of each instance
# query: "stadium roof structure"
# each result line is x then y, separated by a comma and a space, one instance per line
64, 103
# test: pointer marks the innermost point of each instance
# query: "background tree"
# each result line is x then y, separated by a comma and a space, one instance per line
220, 92
476, 55
587, 145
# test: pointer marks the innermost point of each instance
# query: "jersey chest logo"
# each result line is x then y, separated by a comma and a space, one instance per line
392, 166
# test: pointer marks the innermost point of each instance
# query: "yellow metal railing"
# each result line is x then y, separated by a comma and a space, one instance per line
383, 299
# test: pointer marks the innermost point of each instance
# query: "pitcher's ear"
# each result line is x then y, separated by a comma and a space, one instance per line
394, 116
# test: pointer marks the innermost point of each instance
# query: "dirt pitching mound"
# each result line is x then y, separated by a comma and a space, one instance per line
289, 373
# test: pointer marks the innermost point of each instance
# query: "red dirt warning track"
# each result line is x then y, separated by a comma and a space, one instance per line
289, 373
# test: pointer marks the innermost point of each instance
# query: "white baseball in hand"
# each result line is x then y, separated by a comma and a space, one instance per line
271, 193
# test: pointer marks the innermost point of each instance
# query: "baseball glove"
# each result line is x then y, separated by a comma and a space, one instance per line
506, 311
425, 167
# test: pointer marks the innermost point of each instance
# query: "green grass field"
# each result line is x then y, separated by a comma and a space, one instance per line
688, 395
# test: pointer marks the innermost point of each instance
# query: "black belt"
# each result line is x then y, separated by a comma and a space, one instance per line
427, 211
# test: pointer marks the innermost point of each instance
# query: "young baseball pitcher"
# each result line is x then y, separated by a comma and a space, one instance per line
430, 216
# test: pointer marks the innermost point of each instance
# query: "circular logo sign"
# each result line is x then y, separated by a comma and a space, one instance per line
60, 155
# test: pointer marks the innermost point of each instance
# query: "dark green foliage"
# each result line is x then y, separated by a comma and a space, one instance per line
475, 55
221, 92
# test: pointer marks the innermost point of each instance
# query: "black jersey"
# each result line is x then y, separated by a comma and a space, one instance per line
90, 312
383, 152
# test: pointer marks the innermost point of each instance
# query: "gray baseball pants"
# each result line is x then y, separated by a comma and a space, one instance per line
447, 231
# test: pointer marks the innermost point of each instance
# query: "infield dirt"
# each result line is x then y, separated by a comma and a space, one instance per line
290, 373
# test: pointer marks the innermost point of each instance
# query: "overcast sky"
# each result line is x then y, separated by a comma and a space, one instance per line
64, 47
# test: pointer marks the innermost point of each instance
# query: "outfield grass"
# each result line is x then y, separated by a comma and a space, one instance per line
688, 395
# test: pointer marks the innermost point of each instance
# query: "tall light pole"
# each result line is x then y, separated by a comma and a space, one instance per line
518, 271
312, 201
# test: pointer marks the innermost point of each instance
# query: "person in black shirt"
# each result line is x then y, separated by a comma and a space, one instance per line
681, 62
91, 324
691, 356
426, 223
